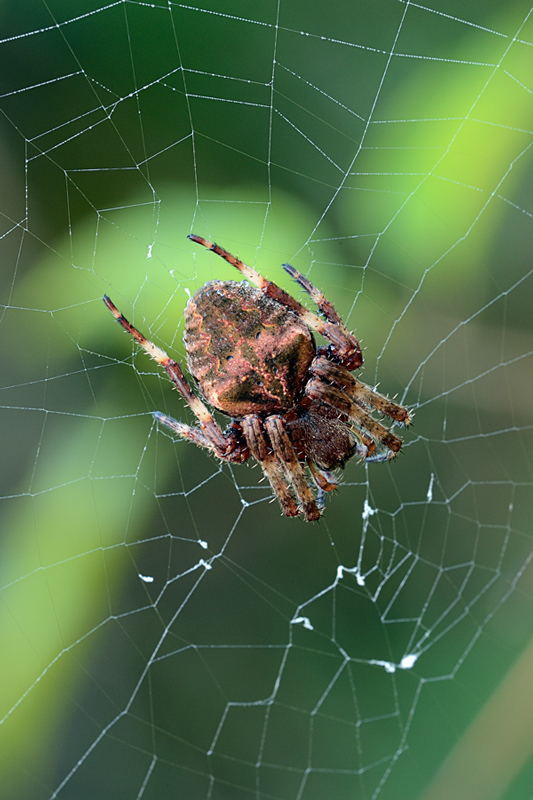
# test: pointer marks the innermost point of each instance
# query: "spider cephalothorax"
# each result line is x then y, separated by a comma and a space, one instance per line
252, 353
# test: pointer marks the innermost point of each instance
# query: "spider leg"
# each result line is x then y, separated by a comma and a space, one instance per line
365, 424
195, 435
236, 449
221, 445
284, 451
345, 346
359, 391
324, 479
255, 439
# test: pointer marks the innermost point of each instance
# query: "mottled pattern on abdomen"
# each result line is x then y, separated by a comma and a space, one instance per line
248, 353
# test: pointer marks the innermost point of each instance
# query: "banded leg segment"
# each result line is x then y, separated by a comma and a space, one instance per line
221, 445
293, 469
346, 348
359, 391
255, 439
236, 449
364, 423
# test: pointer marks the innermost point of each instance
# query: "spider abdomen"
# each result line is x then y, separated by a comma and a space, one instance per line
319, 434
247, 352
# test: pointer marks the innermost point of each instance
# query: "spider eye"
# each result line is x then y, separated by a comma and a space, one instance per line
258, 334
228, 358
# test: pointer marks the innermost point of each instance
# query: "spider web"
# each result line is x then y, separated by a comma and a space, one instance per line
165, 632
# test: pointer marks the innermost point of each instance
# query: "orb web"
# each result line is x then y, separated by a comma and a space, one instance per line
166, 633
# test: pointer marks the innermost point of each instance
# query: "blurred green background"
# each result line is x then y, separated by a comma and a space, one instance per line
385, 150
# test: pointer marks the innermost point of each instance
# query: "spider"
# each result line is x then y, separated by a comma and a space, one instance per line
252, 354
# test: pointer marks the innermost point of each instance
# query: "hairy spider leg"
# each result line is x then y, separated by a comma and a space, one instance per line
210, 434
359, 391
318, 390
346, 348
255, 439
195, 435
324, 479
236, 449
293, 469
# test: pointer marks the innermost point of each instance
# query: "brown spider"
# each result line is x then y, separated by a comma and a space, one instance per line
253, 356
